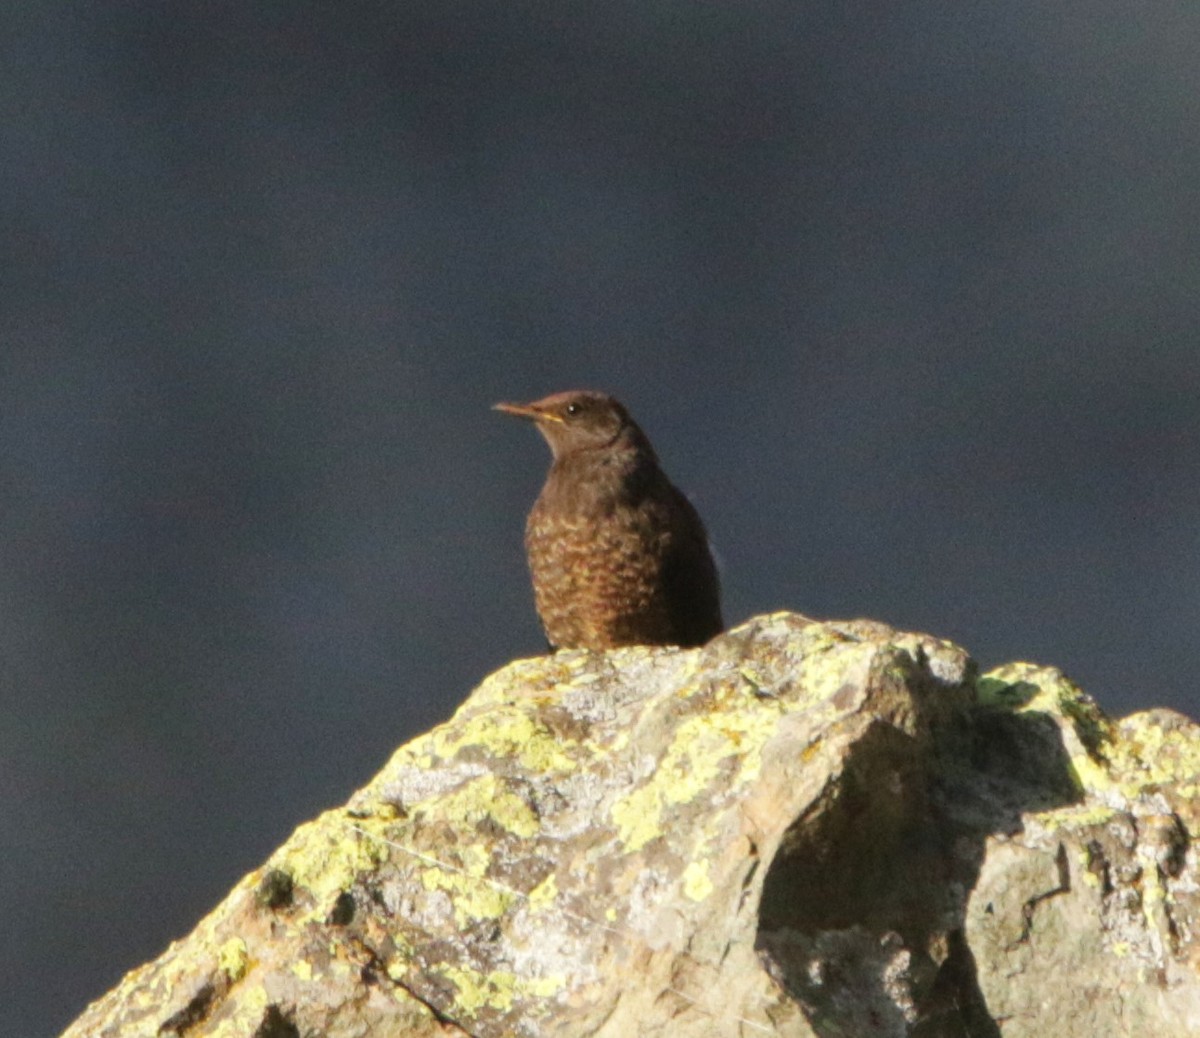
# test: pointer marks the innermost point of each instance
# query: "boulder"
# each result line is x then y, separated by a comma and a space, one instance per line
802, 828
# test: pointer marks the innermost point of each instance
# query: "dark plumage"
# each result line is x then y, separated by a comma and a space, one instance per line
617, 554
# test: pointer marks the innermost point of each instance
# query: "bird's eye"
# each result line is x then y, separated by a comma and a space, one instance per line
573, 410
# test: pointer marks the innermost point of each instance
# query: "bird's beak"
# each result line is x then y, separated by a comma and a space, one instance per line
531, 411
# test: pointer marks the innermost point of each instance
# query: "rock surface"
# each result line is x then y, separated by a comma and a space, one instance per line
800, 829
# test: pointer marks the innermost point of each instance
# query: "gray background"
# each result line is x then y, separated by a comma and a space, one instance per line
905, 296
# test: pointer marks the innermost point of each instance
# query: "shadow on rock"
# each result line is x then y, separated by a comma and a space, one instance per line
863, 908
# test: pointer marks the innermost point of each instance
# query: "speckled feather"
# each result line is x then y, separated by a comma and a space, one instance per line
618, 555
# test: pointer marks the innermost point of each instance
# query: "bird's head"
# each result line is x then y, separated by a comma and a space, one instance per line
579, 420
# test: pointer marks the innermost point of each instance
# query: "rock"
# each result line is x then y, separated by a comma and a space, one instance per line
1088, 914
799, 829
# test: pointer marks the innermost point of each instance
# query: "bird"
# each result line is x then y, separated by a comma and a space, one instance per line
618, 555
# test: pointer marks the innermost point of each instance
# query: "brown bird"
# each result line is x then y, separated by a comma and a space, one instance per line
618, 555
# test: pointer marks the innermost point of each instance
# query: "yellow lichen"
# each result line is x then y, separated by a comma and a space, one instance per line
696, 884
538, 678
249, 1008
1026, 686
541, 987
1077, 816
1122, 759
1089, 774
693, 760
496, 990
233, 958
325, 857
1086, 732
485, 797
825, 669
302, 969
477, 990
472, 896
1149, 753
508, 733
543, 894
418, 753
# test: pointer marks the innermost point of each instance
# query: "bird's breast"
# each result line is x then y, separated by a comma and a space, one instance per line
597, 570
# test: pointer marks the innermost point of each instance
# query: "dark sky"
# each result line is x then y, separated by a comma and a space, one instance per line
905, 295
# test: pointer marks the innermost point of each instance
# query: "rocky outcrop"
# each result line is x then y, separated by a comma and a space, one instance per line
802, 828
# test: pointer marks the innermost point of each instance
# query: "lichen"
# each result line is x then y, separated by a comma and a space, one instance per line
233, 958
560, 774
472, 897
508, 733
1116, 762
1078, 816
696, 882
1087, 734
483, 798
248, 1010
325, 857
1151, 753
543, 894
701, 745
497, 990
